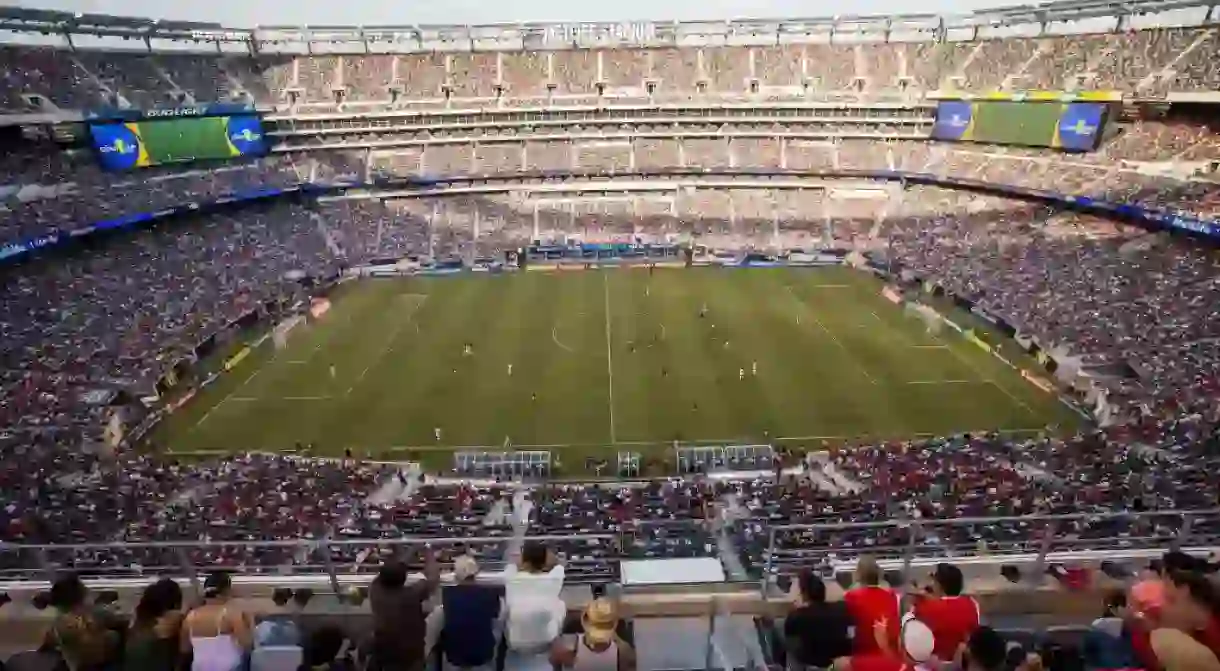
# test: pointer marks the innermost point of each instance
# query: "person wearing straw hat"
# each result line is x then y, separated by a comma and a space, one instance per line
599, 647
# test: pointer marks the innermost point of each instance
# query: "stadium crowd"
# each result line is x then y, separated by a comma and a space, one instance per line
1152, 61
1112, 296
1165, 617
116, 315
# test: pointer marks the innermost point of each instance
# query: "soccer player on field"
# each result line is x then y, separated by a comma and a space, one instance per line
332, 371
754, 368
510, 370
741, 373
437, 432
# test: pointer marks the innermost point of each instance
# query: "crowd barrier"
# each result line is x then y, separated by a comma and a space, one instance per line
911, 546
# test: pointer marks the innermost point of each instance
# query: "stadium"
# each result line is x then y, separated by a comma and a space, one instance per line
707, 309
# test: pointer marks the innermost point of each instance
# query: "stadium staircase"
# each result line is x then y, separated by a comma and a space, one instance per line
329, 236
177, 91
1167, 73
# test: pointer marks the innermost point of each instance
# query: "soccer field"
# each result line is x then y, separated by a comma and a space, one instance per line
599, 361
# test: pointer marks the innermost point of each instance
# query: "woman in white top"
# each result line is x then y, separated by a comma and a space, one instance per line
218, 634
599, 647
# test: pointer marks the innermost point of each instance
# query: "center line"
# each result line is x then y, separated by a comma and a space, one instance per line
609, 358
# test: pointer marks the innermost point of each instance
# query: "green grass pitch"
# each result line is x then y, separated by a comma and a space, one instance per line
608, 360
172, 140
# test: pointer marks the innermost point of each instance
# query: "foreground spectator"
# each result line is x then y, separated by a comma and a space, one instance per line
816, 632
399, 620
598, 647
532, 590
985, 651
87, 637
1178, 651
1192, 605
914, 650
153, 641
871, 607
1107, 645
218, 634
471, 611
324, 651
951, 616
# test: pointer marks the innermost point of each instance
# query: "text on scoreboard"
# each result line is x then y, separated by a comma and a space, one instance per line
159, 137
1070, 126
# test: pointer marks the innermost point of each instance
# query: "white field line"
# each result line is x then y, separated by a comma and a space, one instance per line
944, 344
255, 399
948, 382
609, 358
389, 343
555, 339
813, 313
989, 380
228, 397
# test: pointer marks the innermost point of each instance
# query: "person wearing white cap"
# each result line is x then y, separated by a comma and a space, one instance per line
916, 643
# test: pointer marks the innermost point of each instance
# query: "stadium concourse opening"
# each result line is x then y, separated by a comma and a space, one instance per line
593, 363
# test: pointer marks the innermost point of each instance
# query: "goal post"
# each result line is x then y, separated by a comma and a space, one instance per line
931, 319
282, 330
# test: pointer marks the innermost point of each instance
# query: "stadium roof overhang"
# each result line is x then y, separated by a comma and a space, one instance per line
56, 22
48, 22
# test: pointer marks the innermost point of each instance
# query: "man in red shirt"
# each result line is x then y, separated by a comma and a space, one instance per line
951, 616
870, 605
1192, 605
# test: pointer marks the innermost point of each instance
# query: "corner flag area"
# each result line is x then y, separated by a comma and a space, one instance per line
593, 362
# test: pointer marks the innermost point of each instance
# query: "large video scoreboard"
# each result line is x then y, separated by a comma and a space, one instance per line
142, 139
1070, 125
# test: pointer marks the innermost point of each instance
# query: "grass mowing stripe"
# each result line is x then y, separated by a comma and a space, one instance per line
609, 355
812, 312
805, 386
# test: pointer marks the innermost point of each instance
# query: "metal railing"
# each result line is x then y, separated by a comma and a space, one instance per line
769, 550
1031, 540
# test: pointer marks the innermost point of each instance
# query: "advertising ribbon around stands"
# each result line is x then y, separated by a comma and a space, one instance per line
1038, 382
237, 358
1172, 220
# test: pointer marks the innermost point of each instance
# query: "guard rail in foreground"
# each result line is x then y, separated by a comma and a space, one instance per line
978, 545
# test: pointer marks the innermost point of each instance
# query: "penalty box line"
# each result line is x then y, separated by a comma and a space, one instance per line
417, 303
256, 399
